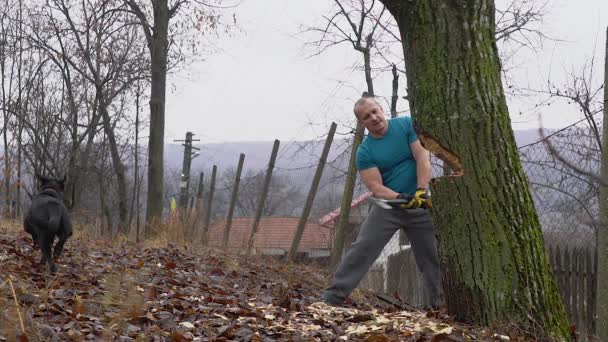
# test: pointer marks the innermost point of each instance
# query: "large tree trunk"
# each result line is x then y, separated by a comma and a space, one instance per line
119, 168
134, 196
495, 269
7, 168
158, 45
5, 111
602, 234
85, 163
73, 171
20, 113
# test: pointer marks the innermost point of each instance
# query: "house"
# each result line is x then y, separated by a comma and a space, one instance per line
274, 236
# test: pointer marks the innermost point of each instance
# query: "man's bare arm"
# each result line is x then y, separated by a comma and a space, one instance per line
373, 181
423, 164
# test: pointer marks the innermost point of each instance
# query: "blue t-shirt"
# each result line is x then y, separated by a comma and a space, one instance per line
392, 155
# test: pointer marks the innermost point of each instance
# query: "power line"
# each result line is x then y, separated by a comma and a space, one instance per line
557, 132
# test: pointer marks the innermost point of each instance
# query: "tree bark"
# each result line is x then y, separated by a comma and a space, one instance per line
19, 111
73, 170
494, 265
159, 46
395, 95
6, 107
134, 195
602, 233
119, 168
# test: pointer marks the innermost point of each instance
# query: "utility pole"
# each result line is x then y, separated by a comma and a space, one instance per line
188, 156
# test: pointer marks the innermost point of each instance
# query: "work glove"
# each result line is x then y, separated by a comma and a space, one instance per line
422, 199
410, 201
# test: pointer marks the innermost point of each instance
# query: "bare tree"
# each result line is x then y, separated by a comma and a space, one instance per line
154, 18
572, 155
11, 62
602, 260
581, 90
357, 23
104, 48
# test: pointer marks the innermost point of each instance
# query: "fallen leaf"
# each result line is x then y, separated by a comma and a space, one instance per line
217, 271
179, 336
376, 338
75, 335
187, 325
77, 307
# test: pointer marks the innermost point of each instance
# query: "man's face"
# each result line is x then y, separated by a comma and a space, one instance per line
371, 115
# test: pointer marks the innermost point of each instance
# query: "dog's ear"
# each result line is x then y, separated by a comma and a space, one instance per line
42, 179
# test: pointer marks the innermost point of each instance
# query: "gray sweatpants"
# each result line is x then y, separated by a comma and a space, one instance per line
376, 231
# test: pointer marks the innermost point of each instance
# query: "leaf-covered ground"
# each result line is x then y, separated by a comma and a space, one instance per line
129, 292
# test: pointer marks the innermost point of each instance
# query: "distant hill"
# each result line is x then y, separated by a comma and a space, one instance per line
291, 154
297, 162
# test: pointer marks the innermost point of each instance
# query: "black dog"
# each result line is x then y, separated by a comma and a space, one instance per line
48, 218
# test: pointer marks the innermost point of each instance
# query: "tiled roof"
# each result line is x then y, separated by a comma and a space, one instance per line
273, 232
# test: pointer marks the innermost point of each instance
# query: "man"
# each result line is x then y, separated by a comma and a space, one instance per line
392, 164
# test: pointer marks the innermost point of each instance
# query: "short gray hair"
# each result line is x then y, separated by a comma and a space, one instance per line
362, 101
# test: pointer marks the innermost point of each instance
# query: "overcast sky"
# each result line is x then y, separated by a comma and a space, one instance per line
261, 83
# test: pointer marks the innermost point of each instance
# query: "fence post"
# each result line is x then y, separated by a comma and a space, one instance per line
311, 194
567, 281
582, 302
347, 199
235, 192
198, 203
262, 203
576, 291
209, 206
591, 290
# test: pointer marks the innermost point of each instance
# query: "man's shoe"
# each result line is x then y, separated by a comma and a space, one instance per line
330, 301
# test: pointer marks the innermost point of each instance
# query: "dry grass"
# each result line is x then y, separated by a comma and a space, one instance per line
8, 226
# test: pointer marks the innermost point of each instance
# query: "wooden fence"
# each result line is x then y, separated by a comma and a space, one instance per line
574, 270
576, 276
403, 279
373, 280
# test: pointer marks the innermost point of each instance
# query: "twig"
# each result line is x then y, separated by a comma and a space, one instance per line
567, 163
6, 281
10, 277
